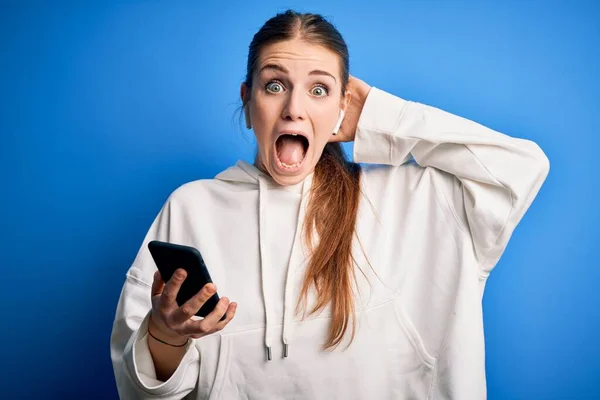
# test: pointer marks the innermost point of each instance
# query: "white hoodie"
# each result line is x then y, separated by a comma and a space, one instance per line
431, 230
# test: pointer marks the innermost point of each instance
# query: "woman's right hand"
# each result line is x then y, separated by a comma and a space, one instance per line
174, 323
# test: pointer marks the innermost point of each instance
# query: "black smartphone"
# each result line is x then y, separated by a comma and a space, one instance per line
169, 257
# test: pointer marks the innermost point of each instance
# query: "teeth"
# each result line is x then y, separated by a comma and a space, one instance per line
294, 134
282, 164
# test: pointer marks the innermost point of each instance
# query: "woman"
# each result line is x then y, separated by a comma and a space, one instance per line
353, 282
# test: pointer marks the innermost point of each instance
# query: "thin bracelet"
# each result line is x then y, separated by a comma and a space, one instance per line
168, 344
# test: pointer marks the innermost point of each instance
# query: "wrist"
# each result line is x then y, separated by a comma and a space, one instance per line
162, 333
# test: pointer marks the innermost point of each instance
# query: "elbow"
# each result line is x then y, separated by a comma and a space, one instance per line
534, 163
541, 163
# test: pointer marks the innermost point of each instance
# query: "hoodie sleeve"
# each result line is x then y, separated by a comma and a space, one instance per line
131, 358
491, 178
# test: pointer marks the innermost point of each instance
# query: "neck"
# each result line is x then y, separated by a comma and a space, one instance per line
258, 164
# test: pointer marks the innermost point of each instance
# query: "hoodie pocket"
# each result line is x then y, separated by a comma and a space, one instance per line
222, 367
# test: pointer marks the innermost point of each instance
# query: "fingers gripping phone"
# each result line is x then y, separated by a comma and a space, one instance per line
169, 257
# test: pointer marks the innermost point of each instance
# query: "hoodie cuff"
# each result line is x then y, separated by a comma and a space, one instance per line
140, 366
378, 121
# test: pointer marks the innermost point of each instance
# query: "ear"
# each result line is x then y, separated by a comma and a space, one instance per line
345, 102
245, 96
244, 93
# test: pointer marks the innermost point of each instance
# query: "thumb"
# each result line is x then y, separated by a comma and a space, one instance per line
157, 284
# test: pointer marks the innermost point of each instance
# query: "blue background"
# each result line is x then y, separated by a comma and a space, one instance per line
106, 108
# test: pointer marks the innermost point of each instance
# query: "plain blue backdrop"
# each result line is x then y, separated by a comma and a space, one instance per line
106, 108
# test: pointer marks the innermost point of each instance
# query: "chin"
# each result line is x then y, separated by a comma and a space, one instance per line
289, 176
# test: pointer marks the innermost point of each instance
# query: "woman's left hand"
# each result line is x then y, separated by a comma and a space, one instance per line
359, 91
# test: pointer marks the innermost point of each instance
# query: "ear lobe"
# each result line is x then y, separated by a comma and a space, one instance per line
247, 117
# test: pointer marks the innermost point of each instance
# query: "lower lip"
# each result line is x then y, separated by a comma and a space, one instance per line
285, 169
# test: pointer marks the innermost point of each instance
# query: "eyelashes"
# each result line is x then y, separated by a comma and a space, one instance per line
274, 87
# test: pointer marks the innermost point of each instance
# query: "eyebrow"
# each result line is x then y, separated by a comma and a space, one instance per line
277, 67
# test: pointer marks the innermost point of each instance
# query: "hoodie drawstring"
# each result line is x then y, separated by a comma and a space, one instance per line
295, 260
264, 262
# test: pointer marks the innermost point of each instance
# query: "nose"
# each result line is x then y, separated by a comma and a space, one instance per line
294, 106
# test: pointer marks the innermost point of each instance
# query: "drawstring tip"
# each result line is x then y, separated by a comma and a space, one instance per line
285, 350
269, 355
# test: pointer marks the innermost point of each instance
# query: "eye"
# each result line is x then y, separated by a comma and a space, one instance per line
320, 91
274, 87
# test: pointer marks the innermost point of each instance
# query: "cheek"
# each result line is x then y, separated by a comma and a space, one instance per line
264, 118
325, 121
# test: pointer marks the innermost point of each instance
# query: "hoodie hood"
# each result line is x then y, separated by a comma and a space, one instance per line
241, 172
245, 173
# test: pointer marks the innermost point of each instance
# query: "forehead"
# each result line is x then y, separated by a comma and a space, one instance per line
299, 55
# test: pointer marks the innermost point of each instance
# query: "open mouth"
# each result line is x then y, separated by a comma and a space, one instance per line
290, 150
